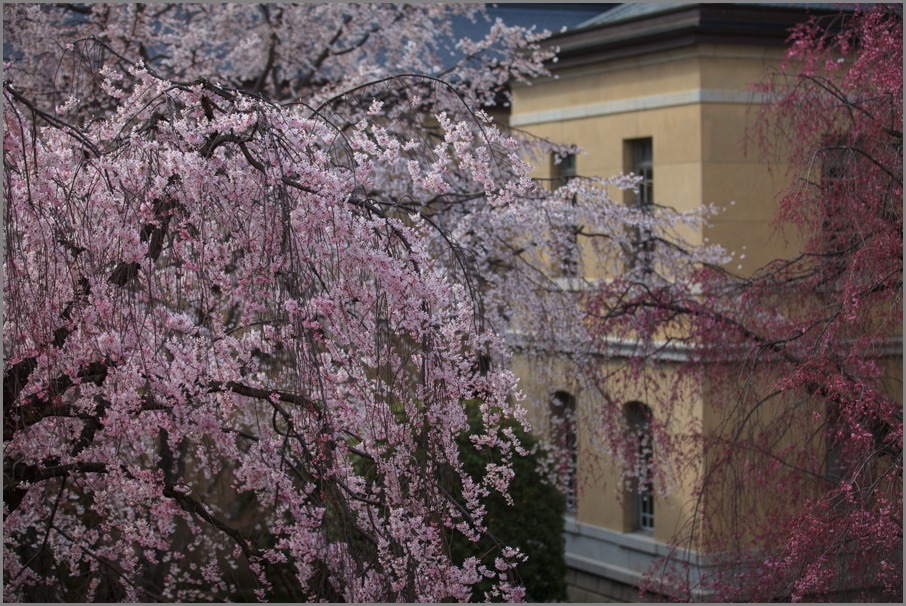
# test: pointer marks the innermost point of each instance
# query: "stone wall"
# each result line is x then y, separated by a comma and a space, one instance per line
584, 587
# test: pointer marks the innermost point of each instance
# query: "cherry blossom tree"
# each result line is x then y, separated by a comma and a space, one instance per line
843, 98
800, 361
256, 260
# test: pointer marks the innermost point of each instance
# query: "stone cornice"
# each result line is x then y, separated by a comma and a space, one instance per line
679, 27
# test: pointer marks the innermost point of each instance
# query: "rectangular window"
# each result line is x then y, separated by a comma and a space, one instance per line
643, 166
835, 426
563, 437
569, 263
646, 507
639, 160
642, 505
562, 171
839, 167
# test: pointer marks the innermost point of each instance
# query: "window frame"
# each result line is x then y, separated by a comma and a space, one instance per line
563, 171
638, 157
638, 421
565, 435
641, 158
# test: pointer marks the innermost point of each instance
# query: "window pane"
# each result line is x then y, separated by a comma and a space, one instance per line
563, 436
563, 170
639, 417
639, 159
643, 166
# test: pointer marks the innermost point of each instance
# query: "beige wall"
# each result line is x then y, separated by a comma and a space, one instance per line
701, 153
694, 104
623, 79
676, 154
698, 107
603, 499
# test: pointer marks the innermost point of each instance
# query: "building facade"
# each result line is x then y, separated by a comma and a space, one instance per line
663, 91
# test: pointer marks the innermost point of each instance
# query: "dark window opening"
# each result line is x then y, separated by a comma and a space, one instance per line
837, 242
563, 436
563, 171
835, 428
639, 160
483, 362
638, 417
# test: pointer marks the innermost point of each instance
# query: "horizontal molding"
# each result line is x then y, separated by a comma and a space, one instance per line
626, 557
668, 351
621, 106
611, 347
575, 284
642, 542
636, 541
635, 62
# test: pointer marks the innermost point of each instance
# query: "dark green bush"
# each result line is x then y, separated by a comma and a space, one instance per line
534, 523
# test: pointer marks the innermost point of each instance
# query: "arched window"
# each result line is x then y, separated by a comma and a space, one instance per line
638, 418
563, 437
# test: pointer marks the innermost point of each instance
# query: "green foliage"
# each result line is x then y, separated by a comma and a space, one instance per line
534, 523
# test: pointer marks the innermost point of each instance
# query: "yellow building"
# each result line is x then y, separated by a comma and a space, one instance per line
661, 90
